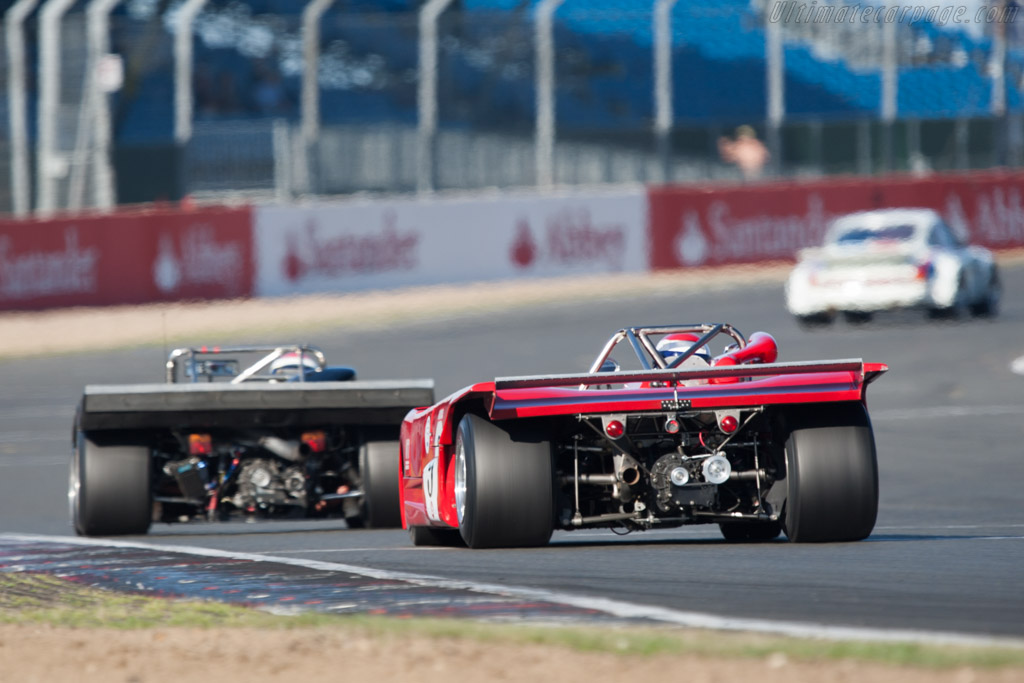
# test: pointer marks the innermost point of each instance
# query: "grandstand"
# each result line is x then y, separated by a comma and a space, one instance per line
249, 63
604, 51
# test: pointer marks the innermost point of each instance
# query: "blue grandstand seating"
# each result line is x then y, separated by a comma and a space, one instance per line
718, 57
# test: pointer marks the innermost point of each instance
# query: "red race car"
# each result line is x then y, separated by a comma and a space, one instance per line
740, 440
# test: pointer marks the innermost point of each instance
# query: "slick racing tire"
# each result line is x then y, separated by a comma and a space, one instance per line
857, 317
432, 536
750, 532
504, 491
815, 320
988, 305
109, 488
379, 471
832, 477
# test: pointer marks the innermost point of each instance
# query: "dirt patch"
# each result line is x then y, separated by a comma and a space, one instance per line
59, 630
50, 653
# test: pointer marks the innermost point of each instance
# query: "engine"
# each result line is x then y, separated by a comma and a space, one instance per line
667, 468
264, 484
676, 485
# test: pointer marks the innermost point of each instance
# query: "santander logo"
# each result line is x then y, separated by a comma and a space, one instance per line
721, 235
569, 237
691, 245
524, 248
198, 259
315, 251
72, 270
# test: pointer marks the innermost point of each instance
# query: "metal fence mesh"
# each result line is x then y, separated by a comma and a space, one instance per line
916, 94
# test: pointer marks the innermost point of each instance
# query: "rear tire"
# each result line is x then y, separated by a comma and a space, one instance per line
857, 317
432, 536
815, 320
379, 471
508, 499
109, 488
832, 477
988, 306
750, 532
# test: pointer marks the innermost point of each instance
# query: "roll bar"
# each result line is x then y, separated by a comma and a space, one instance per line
210, 362
640, 341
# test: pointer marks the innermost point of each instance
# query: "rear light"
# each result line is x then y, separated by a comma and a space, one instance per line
728, 424
614, 429
316, 442
200, 444
925, 270
672, 425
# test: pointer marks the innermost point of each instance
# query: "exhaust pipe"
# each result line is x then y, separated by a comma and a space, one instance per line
629, 475
598, 479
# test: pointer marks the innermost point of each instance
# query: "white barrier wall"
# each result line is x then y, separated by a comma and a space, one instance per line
395, 243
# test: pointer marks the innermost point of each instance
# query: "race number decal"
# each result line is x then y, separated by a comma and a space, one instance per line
430, 485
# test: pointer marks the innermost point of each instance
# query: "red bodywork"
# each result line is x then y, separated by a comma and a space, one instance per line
428, 434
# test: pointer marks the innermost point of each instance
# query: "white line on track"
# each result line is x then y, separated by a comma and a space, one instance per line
949, 527
1017, 366
317, 551
616, 608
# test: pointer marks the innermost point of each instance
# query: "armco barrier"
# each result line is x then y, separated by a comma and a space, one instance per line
405, 242
723, 225
126, 258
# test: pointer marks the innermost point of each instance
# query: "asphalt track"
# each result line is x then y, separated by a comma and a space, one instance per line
947, 554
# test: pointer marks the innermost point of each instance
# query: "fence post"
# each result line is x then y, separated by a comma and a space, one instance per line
663, 114
183, 70
775, 85
890, 93
961, 144
14, 20
311, 16
94, 116
427, 94
545, 74
283, 163
48, 165
997, 69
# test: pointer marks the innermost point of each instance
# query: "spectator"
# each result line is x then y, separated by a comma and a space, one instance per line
746, 151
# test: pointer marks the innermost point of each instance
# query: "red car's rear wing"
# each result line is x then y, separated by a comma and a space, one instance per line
868, 371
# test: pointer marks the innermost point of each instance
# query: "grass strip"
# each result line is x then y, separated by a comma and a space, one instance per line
28, 598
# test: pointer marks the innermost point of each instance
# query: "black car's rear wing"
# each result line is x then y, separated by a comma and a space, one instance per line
681, 374
142, 406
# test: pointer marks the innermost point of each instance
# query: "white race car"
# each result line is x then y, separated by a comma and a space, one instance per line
892, 259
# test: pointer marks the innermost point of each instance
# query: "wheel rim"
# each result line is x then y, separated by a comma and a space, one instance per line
460, 480
74, 484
